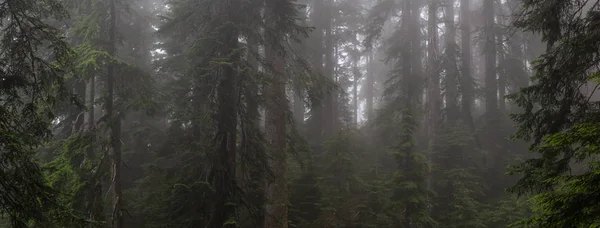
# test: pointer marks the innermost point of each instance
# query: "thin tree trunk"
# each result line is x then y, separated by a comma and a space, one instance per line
356, 73
95, 212
77, 124
90, 92
329, 113
298, 107
501, 75
369, 87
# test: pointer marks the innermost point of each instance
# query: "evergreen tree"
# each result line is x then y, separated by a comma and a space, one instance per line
34, 60
559, 116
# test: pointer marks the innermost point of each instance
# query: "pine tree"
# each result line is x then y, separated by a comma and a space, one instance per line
35, 59
558, 116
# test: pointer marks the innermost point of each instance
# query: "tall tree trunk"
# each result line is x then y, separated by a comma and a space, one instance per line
466, 81
356, 73
491, 85
450, 64
96, 212
317, 47
369, 87
114, 119
329, 107
298, 94
251, 172
501, 74
515, 66
225, 164
223, 172
415, 32
408, 73
502, 56
276, 210
335, 115
433, 92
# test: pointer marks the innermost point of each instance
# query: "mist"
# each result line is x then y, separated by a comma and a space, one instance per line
299, 113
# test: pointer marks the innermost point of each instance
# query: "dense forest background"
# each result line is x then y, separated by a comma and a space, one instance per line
307, 113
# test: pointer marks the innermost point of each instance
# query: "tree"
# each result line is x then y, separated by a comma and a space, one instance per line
35, 59
559, 117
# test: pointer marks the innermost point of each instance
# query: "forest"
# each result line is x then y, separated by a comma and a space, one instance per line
299, 113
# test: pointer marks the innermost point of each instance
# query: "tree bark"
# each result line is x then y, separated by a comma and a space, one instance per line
317, 107
276, 211
433, 93
491, 84
329, 106
95, 210
298, 107
224, 166
114, 118
90, 93
501, 75
356, 73
466, 81
450, 64
407, 74
369, 88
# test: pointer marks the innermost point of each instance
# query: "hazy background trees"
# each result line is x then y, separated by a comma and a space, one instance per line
308, 113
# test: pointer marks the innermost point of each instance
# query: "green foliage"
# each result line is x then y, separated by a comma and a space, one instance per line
77, 172
194, 153
32, 84
458, 184
304, 199
507, 212
560, 118
342, 189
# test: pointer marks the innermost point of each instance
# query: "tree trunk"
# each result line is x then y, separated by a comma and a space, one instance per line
406, 71
466, 81
450, 64
433, 92
415, 31
515, 66
95, 210
276, 211
224, 166
491, 85
501, 75
329, 106
356, 73
316, 120
298, 107
90, 92
251, 171
114, 118
369, 87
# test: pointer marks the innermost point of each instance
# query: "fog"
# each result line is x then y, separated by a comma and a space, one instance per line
279, 113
